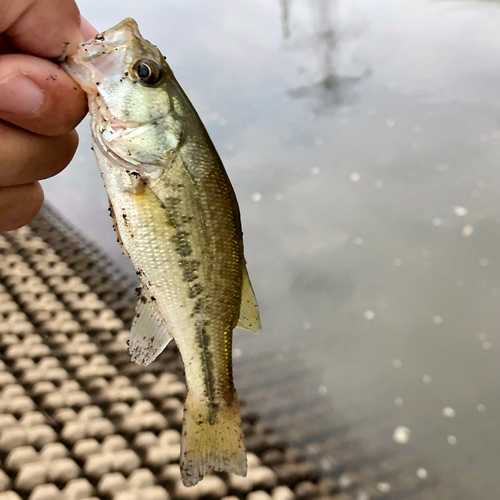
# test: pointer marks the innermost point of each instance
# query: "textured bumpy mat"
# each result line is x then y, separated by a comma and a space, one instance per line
78, 420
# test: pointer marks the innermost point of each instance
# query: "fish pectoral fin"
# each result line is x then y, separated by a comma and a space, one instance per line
148, 335
249, 311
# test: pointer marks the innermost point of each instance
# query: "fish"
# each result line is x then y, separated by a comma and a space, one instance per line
177, 218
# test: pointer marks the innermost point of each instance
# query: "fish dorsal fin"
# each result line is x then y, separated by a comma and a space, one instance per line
249, 311
148, 335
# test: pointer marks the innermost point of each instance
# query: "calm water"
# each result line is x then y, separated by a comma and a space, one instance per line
363, 141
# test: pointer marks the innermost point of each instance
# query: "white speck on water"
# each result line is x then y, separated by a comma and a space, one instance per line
379, 184
312, 449
482, 336
318, 141
390, 123
82, 159
460, 211
323, 390
401, 434
229, 147
397, 363
451, 440
398, 262
256, 197
315, 170
363, 495
326, 464
426, 379
481, 408
237, 353
483, 262
422, 473
345, 480
487, 346
354, 177
306, 325
278, 196
437, 221
398, 401
448, 412
369, 314
442, 167
384, 487
222, 122
417, 129
437, 320
358, 241
467, 230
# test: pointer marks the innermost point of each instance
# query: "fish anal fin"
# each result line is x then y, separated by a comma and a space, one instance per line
249, 311
148, 335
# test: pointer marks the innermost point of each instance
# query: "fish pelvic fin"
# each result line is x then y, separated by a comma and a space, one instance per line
148, 335
212, 440
249, 311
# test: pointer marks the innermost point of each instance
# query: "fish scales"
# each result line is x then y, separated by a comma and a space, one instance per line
178, 220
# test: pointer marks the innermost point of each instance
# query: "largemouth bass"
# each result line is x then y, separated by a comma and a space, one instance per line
177, 218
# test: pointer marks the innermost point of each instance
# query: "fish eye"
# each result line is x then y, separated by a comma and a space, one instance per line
148, 71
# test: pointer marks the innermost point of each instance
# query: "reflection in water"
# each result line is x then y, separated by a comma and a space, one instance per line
285, 17
331, 88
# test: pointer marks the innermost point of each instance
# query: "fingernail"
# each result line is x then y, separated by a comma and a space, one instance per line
20, 95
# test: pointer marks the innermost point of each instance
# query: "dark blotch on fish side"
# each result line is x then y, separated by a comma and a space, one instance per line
195, 290
203, 341
182, 246
198, 306
189, 268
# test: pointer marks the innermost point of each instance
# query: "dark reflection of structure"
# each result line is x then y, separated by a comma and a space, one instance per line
285, 25
330, 88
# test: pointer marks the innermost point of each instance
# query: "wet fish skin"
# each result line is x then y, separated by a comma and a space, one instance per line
178, 220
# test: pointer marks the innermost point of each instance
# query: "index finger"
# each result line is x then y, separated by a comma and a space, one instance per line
41, 27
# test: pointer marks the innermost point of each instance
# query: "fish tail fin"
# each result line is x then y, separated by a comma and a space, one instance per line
212, 440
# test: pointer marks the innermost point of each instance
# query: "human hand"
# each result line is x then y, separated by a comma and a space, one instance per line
40, 105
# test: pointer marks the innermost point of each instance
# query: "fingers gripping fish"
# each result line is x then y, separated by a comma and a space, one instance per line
178, 220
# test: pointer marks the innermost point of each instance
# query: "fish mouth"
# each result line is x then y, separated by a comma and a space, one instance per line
110, 40
102, 55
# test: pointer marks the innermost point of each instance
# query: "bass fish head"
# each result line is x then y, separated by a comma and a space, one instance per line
135, 118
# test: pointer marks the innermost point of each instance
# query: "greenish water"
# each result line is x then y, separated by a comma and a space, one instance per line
363, 141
